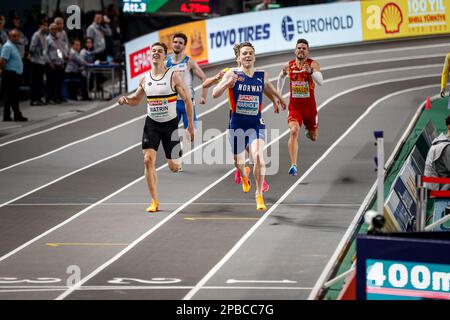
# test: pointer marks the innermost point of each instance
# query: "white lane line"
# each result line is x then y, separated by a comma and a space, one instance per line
60, 125
106, 131
369, 62
91, 206
408, 48
349, 54
333, 205
137, 241
229, 281
114, 193
156, 227
329, 266
73, 143
111, 156
236, 247
139, 179
225, 101
378, 83
221, 104
358, 53
68, 175
128, 288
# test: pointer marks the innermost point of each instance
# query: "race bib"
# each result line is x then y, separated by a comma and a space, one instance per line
300, 89
158, 109
247, 104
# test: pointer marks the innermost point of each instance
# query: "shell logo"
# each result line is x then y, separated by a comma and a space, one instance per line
391, 18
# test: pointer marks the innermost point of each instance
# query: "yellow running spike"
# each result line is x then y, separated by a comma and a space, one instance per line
154, 206
260, 205
246, 183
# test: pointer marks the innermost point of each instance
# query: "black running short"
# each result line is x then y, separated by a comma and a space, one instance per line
165, 132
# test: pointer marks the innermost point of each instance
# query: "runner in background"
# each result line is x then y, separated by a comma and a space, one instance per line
187, 68
303, 73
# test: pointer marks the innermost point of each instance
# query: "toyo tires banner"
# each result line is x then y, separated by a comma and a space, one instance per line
278, 30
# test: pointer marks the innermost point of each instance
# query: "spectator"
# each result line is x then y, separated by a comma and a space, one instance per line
62, 35
3, 34
12, 68
263, 5
113, 13
55, 70
3, 39
87, 53
23, 41
39, 58
74, 69
437, 163
97, 31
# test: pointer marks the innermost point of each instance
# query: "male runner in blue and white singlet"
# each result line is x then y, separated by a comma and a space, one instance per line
187, 68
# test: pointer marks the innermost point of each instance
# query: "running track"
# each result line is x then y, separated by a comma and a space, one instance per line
73, 197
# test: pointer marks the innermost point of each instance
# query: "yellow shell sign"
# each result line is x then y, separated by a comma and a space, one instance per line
196, 46
384, 19
391, 18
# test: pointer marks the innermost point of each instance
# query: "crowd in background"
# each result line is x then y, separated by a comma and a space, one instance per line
54, 63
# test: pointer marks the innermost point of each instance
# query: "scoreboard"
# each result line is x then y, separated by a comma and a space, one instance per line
403, 266
152, 6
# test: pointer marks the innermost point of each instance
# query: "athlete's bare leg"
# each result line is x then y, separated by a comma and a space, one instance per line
150, 171
259, 168
312, 134
293, 141
239, 163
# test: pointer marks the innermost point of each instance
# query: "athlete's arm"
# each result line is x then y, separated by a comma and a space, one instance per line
282, 78
135, 98
444, 77
202, 76
215, 79
272, 94
183, 91
228, 81
315, 73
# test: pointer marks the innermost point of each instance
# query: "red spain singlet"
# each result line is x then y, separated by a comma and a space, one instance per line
302, 103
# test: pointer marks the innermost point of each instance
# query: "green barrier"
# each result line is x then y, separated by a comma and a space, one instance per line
437, 114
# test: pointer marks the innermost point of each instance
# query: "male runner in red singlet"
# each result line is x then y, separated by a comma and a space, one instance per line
303, 73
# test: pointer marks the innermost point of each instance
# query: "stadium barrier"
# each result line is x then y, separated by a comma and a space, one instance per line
395, 210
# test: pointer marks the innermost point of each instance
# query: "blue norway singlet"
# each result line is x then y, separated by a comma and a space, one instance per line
245, 100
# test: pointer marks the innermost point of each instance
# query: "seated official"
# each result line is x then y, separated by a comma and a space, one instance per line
74, 72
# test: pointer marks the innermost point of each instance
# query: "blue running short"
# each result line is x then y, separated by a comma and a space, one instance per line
240, 139
181, 113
